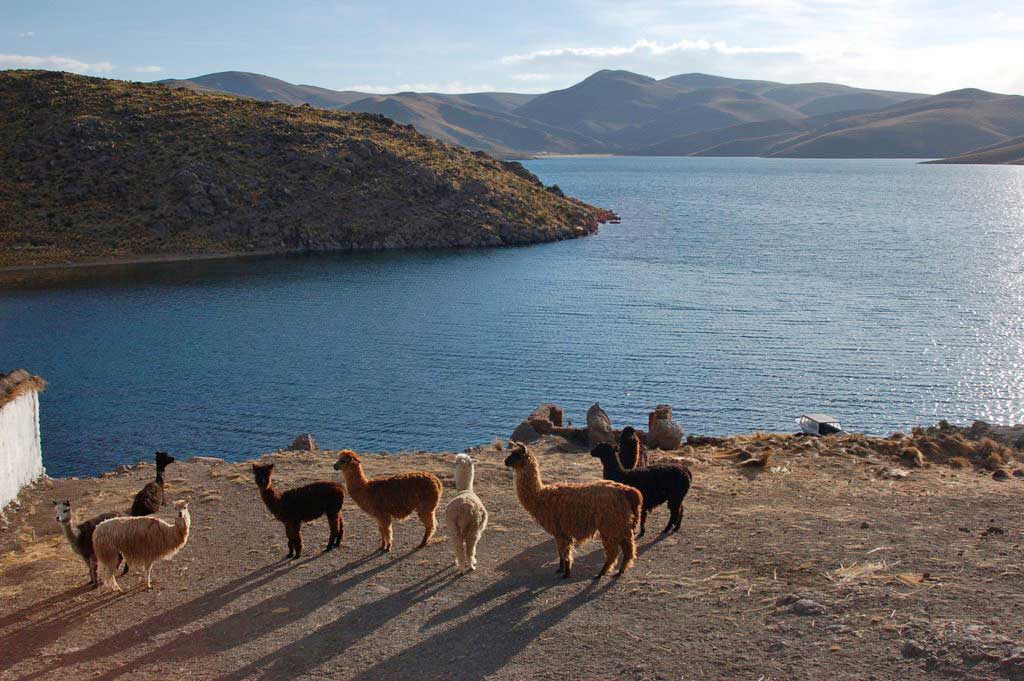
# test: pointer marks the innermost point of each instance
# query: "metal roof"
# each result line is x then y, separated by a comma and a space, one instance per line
820, 418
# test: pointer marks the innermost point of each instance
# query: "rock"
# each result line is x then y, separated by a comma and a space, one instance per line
1001, 475
662, 431
805, 606
912, 457
865, 525
913, 650
1019, 473
599, 426
894, 473
205, 459
1013, 664
525, 433
304, 443
551, 413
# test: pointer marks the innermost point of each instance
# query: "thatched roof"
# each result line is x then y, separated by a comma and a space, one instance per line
17, 383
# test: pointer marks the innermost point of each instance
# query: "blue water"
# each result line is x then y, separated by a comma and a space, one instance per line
741, 291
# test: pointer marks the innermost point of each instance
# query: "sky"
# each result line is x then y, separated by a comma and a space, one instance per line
526, 46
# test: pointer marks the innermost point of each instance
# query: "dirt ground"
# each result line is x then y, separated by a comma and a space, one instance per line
813, 567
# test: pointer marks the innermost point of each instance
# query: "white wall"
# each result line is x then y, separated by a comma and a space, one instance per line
21, 457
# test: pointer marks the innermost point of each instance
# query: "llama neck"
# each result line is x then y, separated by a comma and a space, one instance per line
355, 480
528, 484
71, 533
464, 479
271, 498
612, 468
181, 527
160, 477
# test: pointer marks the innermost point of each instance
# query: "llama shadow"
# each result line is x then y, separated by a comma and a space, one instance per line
488, 639
332, 640
33, 636
161, 622
255, 621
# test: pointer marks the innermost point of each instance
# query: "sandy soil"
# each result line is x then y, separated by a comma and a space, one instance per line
908, 578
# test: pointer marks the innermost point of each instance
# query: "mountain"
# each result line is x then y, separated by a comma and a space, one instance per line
635, 111
947, 124
455, 121
95, 169
256, 86
1010, 152
621, 112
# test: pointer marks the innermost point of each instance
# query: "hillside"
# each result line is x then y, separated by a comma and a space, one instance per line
256, 86
902, 578
457, 121
102, 169
1005, 153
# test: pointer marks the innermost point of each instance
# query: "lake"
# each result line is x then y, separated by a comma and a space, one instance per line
741, 291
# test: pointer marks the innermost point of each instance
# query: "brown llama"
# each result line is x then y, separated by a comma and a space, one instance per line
80, 536
395, 497
573, 513
302, 505
151, 497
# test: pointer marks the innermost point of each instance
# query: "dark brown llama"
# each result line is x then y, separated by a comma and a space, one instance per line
302, 505
151, 497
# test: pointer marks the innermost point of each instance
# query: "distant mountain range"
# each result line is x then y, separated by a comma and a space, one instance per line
619, 112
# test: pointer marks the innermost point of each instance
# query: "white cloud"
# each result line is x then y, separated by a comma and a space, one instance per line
53, 63
148, 69
650, 47
27, 34
531, 77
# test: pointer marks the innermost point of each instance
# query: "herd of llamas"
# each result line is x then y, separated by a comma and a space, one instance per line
614, 509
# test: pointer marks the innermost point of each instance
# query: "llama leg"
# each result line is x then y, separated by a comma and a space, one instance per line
149, 575
471, 543
120, 559
108, 573
673, 518
341, 529
386, 535
643, 521
294, 540
429, 521
561, 543
568, 559
611, 552
332, 525
458, 548
93, 579
628, 555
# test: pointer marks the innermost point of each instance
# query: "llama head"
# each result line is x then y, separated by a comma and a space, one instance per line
463, 472
604, 451
262, 472
346, 458
463, 461
63, 509
518, 456
182, 508
163, 459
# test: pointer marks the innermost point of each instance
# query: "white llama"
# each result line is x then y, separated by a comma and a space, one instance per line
466, 516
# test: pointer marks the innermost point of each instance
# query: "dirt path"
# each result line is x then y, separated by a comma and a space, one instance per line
907, 579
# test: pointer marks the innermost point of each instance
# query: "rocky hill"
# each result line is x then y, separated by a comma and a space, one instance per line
1010, 153
96, 169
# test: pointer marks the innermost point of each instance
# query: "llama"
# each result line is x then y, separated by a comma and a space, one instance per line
466, 515
632, 452
151, 497
141, 540
574, 512
660, 483
80, 536
301, 505
395, 497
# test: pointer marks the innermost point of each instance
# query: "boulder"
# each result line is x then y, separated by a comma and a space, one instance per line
552, 413
599, 426
525, 433
304, 443
542, 421
662, 431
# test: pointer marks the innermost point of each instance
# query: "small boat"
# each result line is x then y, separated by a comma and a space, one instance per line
819, 424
